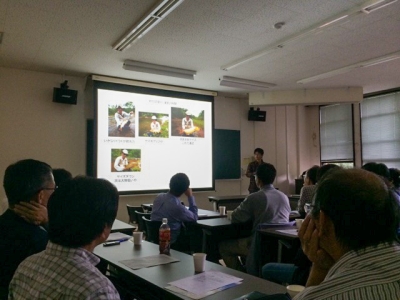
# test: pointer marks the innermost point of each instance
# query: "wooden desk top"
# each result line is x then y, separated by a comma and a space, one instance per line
203, 214
211, 223
274, 232
159, 276
224, 198
120, 226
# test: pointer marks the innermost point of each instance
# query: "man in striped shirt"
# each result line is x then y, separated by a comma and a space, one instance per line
350, 236
81, 214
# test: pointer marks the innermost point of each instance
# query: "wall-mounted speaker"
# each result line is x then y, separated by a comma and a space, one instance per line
66, 96
257, 115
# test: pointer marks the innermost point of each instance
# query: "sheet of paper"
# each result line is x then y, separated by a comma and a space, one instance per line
116, 236
289, 231
204, 282
148, 261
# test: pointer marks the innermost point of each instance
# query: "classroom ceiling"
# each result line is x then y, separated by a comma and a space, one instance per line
75, 37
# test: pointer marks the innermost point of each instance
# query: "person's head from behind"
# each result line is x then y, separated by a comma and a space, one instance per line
378, 169
325, 169
82, 211
395, 177
61, 176
311, 176
265, 174
354, 209
258, 154
178, 184
28, 180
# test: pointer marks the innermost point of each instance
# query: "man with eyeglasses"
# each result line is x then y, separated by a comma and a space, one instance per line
350, 236
24, 181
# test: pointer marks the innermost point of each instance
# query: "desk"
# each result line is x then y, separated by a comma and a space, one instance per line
231, 202
151, 281
123, 227
279, 246
216, 230
203, 214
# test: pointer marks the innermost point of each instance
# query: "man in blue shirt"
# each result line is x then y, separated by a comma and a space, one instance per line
168, 205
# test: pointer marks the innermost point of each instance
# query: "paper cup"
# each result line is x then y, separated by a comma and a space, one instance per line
294, 289
137, 237
222, 210
298, 223
229, 214
199, 262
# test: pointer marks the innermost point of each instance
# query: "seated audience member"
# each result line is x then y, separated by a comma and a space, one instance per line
379, 169
81, 214
265, 206
168, 205
61, 176
24, 181
33, 211
296, 273
395, 179
350, 236
307, 191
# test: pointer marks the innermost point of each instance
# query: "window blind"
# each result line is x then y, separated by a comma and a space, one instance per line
380, 129
336, 133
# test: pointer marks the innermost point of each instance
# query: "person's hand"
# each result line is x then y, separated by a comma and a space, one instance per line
32, 212
189, 192
308, 235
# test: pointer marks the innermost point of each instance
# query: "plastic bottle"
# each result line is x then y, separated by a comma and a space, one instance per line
165, 237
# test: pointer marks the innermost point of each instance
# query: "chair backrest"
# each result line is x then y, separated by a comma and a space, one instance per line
131, 213
153, 228
141, 225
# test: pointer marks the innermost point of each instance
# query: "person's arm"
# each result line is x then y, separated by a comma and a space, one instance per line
117, 119
321, 261
191, 123
117, 166
32, 212
184, 214
250, 171
183, 124
243, 212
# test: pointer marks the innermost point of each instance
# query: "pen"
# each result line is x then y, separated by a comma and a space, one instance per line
119, 240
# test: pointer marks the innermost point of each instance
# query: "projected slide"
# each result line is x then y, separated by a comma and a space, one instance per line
144, 139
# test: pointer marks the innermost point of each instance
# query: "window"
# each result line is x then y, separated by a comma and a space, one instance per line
380, 129
336, 134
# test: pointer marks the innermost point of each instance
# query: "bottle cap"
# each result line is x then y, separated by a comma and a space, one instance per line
165, 220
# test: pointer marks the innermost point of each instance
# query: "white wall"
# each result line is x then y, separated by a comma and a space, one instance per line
32, 126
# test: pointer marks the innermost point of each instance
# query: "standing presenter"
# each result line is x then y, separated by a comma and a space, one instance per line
252, 168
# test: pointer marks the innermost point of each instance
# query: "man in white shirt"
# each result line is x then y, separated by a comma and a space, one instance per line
155, 127
121, 161
122, 118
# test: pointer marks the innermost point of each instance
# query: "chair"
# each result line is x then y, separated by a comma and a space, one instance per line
152, 229
131, 213
141, 224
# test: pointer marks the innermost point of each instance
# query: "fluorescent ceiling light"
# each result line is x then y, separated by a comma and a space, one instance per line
143, 67
244, 83
374, 5
146, 23
317, 28
363, 64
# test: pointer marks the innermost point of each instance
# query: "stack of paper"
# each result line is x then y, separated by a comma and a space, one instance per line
203, 284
